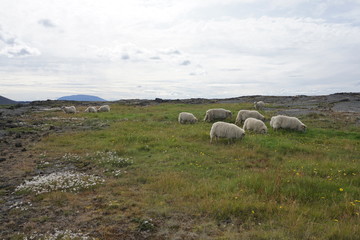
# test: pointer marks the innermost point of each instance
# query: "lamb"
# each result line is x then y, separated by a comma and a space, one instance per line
70, 109
226, 130
217, 114
104, 108
91, 110
255, 125
259, 105
185, 117
244, 114
285, 122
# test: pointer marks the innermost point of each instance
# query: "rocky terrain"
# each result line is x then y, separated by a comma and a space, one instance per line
19, 130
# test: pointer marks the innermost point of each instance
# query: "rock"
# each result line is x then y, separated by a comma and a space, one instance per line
18, 144
2, 159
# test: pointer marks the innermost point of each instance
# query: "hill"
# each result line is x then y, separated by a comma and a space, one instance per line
6, 101
86, 98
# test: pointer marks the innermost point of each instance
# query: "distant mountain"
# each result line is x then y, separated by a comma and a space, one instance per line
87, 98
6, 101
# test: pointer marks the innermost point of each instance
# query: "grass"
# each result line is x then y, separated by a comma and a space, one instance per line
283, 185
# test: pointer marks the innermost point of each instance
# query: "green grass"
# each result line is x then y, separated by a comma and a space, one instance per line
283, 185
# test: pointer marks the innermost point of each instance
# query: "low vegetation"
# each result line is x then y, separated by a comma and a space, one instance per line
154, 178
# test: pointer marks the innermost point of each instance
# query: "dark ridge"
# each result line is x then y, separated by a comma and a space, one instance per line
6, 101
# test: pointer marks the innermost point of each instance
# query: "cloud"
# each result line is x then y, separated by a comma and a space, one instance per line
185, 63
171, 51
125, 56
134, 53
19, 51
12, 47
46, 23
275, 44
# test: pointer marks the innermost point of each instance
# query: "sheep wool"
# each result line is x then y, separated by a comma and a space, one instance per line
104, 108
255, 125
259, 105
217, 114
226, 130
185, 117
245, 114
71, 109
286, 122
91, 110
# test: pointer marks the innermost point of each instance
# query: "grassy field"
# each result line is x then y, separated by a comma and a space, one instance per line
163, 180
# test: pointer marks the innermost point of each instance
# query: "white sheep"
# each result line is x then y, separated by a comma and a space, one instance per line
185, 117
244, 114
217, 114
285, 122
226, 130
71, 109
91, 110
259, 105
104, 108
255, 125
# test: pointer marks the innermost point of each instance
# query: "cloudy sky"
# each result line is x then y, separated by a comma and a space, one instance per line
178, 49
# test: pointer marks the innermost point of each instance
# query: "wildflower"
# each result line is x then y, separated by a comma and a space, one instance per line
352, 203
60, 181
113, 159
281, 207
335, 220
252, 211
357, 201
341, 189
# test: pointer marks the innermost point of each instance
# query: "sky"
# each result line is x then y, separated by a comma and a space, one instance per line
171, 49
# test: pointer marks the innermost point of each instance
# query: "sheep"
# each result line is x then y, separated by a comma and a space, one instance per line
255, 125
285, 122
259, 105
91, 110
244, 114
217, 114
226, 130
185, 117
104, 108
70, 109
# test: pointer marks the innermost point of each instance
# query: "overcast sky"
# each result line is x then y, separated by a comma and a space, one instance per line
178, 49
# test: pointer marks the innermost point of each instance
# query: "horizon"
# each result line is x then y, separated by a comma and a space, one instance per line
171, 99
146, 49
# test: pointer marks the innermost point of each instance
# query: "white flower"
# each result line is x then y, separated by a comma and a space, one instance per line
63, 181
